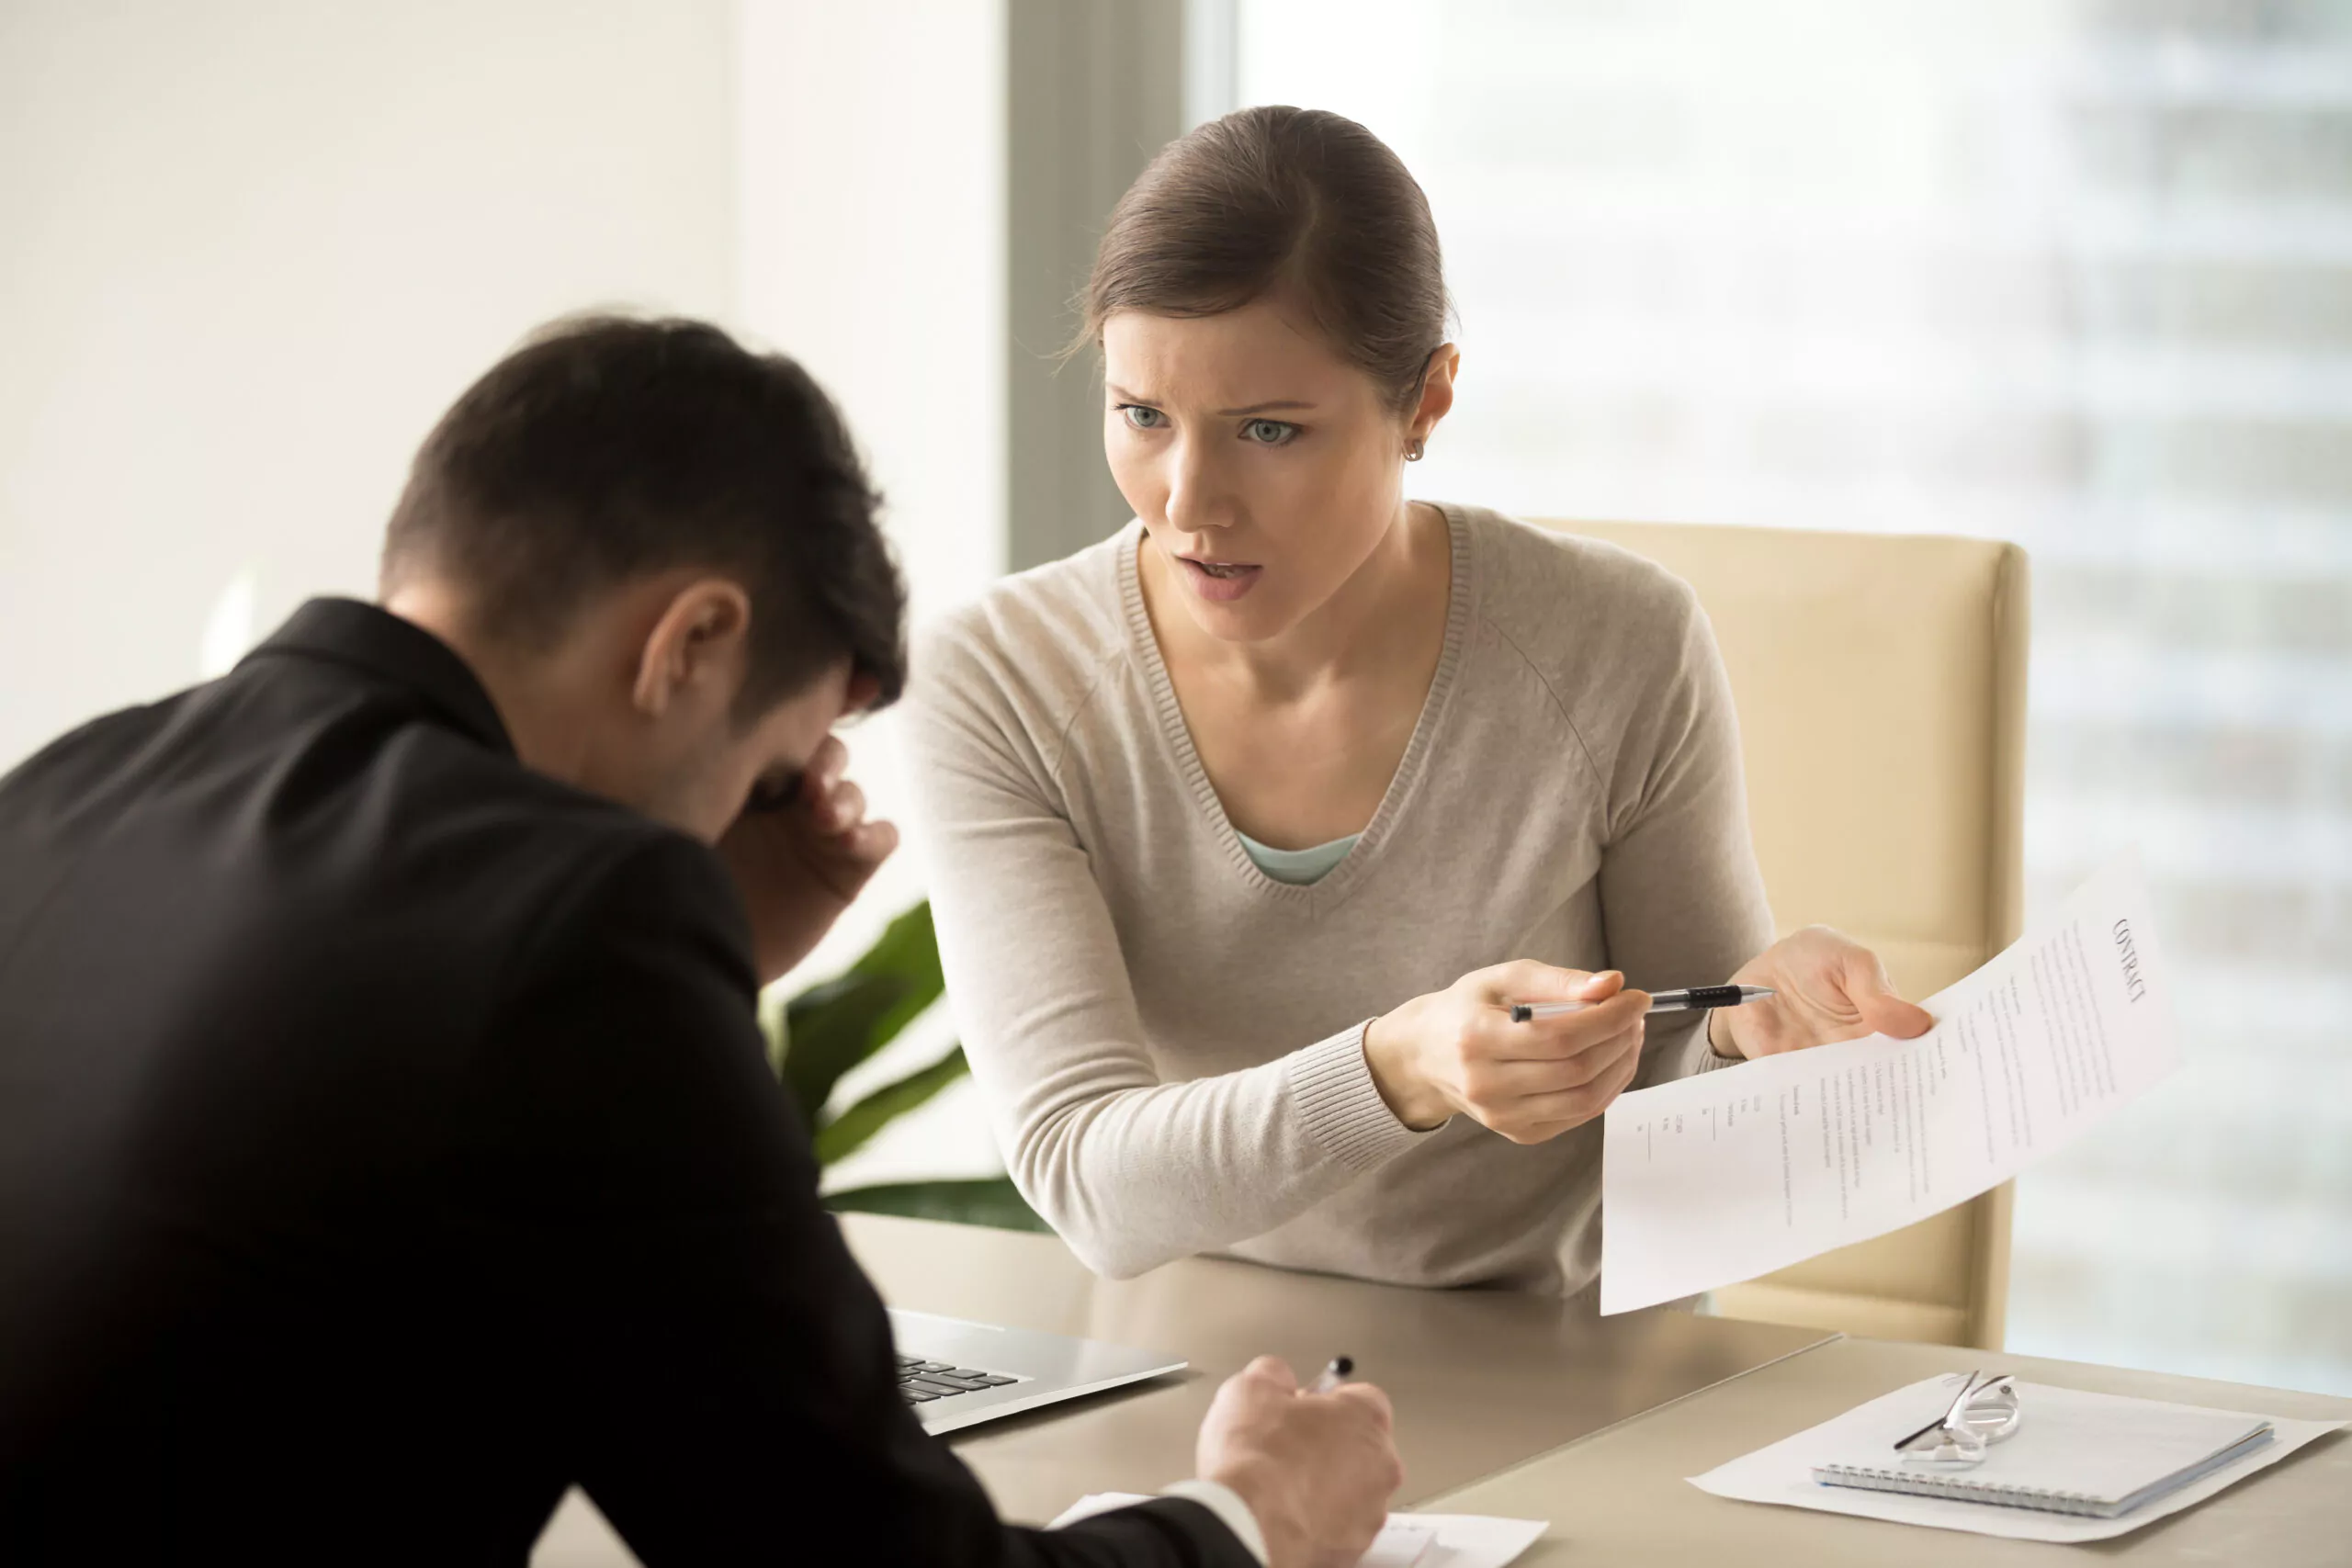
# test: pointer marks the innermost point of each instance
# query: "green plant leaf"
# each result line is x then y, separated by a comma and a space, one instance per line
850, 1130
833, 1026
830, 1028
986, 1200
772, 1024
908, 949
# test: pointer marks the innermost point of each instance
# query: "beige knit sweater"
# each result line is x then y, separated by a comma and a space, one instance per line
1170, 1043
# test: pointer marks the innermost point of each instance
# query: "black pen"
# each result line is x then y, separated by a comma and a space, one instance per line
1333, 1375
1697, 999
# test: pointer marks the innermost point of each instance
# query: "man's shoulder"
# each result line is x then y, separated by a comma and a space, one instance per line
63, 771
367, 801
557, 864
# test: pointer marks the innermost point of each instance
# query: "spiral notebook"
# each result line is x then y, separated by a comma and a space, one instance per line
2143, 1457
2093, 1454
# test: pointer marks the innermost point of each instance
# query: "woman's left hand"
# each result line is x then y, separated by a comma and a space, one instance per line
1827, 988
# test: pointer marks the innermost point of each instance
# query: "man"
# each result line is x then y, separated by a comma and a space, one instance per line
386, 1142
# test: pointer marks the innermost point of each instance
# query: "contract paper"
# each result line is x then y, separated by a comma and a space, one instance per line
1716, 1179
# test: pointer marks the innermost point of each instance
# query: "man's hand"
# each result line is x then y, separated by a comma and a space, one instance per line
1829, 987
1456, 1051
800, 861
1317, 1469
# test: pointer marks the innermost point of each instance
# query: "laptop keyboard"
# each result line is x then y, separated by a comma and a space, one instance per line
922, 1382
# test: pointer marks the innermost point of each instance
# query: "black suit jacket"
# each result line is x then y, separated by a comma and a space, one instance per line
385, 1145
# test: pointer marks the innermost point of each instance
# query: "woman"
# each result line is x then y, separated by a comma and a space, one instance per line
1250, 823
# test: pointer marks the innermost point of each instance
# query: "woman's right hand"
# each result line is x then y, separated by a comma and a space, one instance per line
1456, 1052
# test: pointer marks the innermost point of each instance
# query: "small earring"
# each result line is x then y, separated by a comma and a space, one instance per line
1413, 448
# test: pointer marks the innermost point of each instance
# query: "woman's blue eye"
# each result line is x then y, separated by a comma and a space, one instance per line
1270, 432
1142, 418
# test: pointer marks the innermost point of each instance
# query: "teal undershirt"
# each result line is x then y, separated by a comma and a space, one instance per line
1297, 867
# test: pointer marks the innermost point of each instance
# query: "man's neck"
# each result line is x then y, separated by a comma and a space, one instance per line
529, 694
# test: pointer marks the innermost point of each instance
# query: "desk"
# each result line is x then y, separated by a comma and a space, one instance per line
1620, 1497
1480, 1379
1513, 1404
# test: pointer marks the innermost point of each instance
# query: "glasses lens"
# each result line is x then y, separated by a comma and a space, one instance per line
1948, 1448
1992, 1412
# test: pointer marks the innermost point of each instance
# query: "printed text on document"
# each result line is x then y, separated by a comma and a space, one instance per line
1720, 1177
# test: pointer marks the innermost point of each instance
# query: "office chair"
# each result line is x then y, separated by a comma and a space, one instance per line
1881, 681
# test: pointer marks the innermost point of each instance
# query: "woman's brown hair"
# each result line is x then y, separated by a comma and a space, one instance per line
1302, 205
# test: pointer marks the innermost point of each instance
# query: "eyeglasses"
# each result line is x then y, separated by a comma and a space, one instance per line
1983, 1413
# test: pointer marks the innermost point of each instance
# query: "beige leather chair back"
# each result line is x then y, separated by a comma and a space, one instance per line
1881, 684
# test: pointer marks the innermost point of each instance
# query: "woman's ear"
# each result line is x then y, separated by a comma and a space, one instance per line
698, 644
1437, 392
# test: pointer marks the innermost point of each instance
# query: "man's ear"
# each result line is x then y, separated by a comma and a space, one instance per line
700, 641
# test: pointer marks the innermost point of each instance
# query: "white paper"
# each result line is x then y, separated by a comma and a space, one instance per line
1782, 1473
1397, 1546
1720, 1177
1475, 1540
1409, 1540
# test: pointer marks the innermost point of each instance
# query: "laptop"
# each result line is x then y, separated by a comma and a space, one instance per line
956, 1373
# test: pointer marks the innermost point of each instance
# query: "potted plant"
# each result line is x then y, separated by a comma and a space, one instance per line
817, 1036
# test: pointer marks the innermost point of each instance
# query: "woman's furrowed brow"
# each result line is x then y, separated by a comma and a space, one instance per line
1293, 404
1289, 404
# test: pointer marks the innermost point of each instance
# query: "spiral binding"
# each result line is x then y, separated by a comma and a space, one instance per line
1961, 1489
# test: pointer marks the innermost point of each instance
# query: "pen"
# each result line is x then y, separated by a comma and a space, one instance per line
1695, 1000
1332, 1376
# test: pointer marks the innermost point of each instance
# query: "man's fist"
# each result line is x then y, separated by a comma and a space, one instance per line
800, 854
1317, 1469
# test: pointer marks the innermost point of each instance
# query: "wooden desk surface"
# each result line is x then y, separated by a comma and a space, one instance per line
1481, 1380
1620, 1497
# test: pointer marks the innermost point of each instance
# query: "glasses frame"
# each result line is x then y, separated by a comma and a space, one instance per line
1985, 1411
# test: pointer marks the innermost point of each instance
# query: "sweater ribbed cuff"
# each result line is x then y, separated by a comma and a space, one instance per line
1687, 1058
1708, 1061
1331, 1084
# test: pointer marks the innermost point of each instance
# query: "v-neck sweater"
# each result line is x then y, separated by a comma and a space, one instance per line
1170, 1044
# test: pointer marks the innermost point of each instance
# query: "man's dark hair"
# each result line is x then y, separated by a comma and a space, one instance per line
606, 447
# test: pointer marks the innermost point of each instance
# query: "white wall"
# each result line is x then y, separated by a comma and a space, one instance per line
872, 204
872, 210
249, 251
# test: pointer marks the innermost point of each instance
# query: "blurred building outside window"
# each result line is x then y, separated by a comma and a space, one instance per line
2074, 273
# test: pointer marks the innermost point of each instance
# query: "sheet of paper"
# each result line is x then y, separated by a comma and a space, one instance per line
1783, 1474
1397, 1546
1711, 1179
1409, 1540
1474, 1541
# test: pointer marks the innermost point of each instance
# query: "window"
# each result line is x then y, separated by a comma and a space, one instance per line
2073, 274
